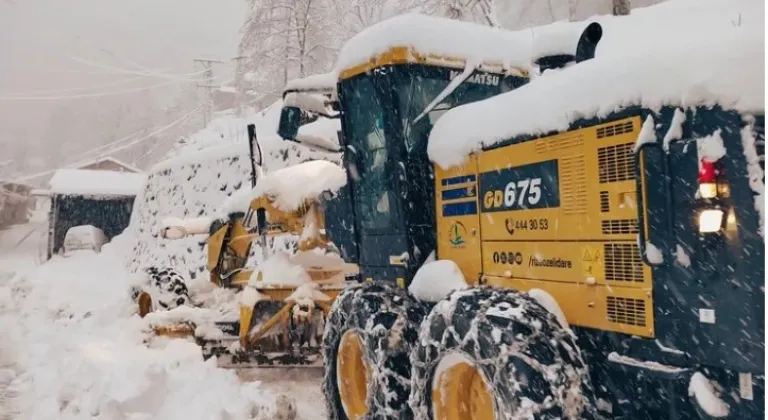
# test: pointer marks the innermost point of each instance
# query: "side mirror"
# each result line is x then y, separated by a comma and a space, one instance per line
353, 163
291, 118
290, 121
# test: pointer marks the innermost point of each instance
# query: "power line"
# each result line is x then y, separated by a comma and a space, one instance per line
87, 95
111, 151
183, 77
207, 84
47, 92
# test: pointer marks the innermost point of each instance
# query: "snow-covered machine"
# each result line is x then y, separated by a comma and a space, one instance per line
284, 301
597, 229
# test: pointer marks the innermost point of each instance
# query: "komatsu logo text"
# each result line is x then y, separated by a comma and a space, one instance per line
479, 78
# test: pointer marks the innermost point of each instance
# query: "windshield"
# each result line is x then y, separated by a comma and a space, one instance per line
419, 90
365, 133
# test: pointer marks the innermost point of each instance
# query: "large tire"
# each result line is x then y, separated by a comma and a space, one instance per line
386, 320
167, 287
530, 364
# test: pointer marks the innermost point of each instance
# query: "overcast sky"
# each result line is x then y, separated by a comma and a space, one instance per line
40, 38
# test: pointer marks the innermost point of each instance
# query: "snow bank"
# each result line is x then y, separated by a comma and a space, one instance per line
436, 280
293, 185
278, 270
700, 52
93, 182
206, 172
84, 355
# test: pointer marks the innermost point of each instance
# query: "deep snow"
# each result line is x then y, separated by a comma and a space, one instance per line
78, 352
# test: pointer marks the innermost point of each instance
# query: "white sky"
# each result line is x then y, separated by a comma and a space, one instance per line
38, 38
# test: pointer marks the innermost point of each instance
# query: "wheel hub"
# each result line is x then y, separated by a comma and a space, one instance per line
352, 375
460, 391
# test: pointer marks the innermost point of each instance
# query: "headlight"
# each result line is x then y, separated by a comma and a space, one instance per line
710, 220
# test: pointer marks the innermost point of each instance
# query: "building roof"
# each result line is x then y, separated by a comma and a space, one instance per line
96, 183
128, 167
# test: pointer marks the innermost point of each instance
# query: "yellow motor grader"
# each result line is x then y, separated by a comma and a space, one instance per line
280, 319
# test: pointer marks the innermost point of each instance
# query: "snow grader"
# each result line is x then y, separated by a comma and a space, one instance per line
536, 244
280, 319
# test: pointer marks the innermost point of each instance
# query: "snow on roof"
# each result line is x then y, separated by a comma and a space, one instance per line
94, 182
292, 185
429, 35
700, 52
315, 82
113, 160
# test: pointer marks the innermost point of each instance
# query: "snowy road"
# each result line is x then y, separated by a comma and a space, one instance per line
88, 355
304, 384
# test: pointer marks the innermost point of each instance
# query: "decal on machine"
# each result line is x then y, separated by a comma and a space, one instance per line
456, 235
532, 186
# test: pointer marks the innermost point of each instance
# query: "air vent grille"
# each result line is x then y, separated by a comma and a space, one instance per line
605, 203
574, 184
614, 130
623, 262
559, 143
619, 226
616, 163
626, 311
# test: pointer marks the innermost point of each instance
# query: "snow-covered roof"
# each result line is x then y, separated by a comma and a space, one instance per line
94, 182
415, 37
681, 52
113, 160
316, 82
292, 185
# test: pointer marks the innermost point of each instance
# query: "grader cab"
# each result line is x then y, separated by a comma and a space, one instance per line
610, 247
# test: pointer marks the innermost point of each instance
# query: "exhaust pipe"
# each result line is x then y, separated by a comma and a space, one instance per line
585, 49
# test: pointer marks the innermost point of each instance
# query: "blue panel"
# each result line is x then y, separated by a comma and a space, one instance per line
460, 209
458, 180
458, 193
531, 186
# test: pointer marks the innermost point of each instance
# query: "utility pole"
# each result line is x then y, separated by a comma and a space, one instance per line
207, 84
239, 88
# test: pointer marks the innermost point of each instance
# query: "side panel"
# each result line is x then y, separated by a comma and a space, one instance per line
559, 213
458, 223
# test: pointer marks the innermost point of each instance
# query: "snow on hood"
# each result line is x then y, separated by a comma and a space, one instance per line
317, 82
293, 185
79, 352
94, 182
437, 36
700, 52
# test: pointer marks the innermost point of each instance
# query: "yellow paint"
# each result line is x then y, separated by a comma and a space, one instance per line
246, 314
586, 306
404, 55
458, 237
460, 393
145, 304
400, 282
583, 251
352, 373
215, 243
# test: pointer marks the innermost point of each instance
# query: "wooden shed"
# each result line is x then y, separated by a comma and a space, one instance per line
99, 198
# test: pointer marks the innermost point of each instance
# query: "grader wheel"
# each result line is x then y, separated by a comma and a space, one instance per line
488, 353
352, 375
460, 391
368, 338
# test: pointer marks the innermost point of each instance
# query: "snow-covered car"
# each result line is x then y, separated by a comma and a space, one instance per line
84, 237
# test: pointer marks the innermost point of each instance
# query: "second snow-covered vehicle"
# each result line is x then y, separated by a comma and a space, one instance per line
607, 218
